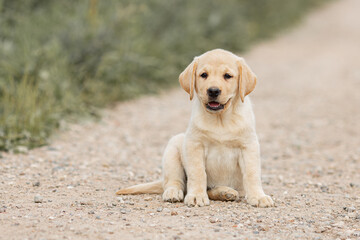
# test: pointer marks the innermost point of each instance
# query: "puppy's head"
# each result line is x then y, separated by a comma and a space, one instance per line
218, 77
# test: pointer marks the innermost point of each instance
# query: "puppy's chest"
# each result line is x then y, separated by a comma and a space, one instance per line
220, 158
218, 136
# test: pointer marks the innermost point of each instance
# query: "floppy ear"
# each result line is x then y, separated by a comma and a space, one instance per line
187, 78
247, 79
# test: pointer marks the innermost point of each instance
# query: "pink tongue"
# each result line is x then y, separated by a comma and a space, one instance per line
214, 104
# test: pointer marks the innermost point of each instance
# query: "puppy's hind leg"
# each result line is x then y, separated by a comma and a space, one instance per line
173, 171
223, 193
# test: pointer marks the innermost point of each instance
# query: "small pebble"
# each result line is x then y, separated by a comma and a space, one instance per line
38, 199
174, 213
123, 211
148, 199
213, 220
239, 225
349, 209
159, 209
120, 199
36, 184
91, 212
97, 217
264, 228
324, 188
85, 203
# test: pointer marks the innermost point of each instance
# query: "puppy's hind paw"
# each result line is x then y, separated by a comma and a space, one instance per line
173, 194
229, 195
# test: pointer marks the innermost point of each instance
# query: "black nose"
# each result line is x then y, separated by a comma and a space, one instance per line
213, 92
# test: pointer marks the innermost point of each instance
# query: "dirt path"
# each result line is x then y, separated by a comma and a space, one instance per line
307, 105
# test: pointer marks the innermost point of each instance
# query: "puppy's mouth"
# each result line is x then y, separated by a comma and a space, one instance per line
214, 106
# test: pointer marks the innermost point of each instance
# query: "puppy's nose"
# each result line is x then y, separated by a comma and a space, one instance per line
213, 92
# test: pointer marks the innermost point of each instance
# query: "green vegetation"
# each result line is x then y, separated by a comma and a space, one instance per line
67, 58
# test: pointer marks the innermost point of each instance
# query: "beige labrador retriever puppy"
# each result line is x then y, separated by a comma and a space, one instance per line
218, 157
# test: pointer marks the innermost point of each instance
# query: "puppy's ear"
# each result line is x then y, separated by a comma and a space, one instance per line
188, 77
247, 79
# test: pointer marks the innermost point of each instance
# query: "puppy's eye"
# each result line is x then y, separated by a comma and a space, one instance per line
227, 76
204, 75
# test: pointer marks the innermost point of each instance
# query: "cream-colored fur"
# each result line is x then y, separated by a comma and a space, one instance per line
218, 156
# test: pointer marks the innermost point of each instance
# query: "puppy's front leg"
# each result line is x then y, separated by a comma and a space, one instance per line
194, 164
251, 170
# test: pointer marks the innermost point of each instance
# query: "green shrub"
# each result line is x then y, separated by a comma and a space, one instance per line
66, 58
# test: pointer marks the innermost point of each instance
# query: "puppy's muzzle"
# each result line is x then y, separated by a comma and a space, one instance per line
213, 104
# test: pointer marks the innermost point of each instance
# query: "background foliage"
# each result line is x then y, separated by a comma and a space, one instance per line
67, 58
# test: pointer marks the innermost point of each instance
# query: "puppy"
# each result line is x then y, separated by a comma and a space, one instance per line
218, 157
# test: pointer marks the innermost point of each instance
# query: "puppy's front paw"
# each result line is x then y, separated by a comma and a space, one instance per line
200, 200
173, 194
261, 201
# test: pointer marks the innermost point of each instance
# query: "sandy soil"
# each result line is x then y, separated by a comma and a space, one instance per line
307, 105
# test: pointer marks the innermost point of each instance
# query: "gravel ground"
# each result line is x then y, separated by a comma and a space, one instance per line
307, 105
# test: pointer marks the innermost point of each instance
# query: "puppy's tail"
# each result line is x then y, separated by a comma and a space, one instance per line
152, 187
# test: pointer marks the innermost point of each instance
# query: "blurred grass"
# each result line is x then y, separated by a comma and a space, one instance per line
67, 58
